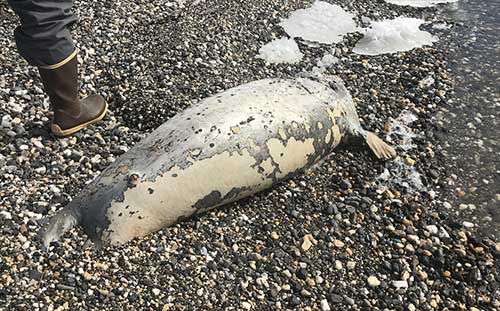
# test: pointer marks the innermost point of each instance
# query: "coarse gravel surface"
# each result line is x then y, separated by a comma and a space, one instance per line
334, 237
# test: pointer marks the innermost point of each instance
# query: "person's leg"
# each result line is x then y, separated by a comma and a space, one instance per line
44, 40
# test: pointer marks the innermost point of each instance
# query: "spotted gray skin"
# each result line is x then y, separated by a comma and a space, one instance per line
224, 148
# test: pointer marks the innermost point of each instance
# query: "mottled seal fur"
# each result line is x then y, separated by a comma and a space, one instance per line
224, 148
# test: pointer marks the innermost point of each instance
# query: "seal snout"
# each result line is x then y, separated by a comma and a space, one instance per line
58, 225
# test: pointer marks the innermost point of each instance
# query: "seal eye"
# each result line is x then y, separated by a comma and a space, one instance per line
133, 180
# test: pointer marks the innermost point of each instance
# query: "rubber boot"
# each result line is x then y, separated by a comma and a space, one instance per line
70, 113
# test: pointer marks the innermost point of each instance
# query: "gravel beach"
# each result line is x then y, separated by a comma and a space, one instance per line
352, 233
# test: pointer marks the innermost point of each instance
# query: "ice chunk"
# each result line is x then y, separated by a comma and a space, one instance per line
441, 26
389, 36
281, 51
419, 3
328, 60
322, 22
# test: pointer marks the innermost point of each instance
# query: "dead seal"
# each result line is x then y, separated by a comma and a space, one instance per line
224, 148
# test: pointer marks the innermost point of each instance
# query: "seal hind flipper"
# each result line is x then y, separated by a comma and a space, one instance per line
380, 148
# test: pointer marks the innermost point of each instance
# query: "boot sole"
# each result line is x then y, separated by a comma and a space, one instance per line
59, 132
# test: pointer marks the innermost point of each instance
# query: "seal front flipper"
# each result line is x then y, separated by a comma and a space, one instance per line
380, 148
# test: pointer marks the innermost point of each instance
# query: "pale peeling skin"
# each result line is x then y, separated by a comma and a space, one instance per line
224, 148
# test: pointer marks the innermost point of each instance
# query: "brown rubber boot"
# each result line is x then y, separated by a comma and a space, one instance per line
70, 113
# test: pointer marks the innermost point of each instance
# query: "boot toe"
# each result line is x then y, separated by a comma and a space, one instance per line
93, 109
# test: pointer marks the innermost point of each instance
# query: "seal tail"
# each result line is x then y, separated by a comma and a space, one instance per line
380, 148
58, 225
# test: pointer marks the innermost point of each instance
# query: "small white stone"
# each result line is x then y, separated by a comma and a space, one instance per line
246, 305
351, 265
26, 245
432, 194
41, 170
400, 284
324, 305
432, 229
447, 205
373, 281
338, 265
96, 159
319, 279
6, 215
467, 224
443, 234
156, 291
6, 121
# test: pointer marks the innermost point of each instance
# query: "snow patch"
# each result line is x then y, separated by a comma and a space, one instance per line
322, 22
281, 51
420, 3
389, 36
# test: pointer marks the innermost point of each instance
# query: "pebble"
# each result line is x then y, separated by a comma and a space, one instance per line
349, 301
433, 229
338, 243
307, 242
400, 284
246, 305
373, 281
338, 265
467, 224
6, 215
325, 306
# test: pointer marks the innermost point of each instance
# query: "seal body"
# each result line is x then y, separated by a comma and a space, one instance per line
221, 149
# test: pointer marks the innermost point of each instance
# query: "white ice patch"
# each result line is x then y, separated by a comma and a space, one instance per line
441, 26
389, 36
402, 130
419, 3
281, 51
399, 172
327, 61
322, 22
